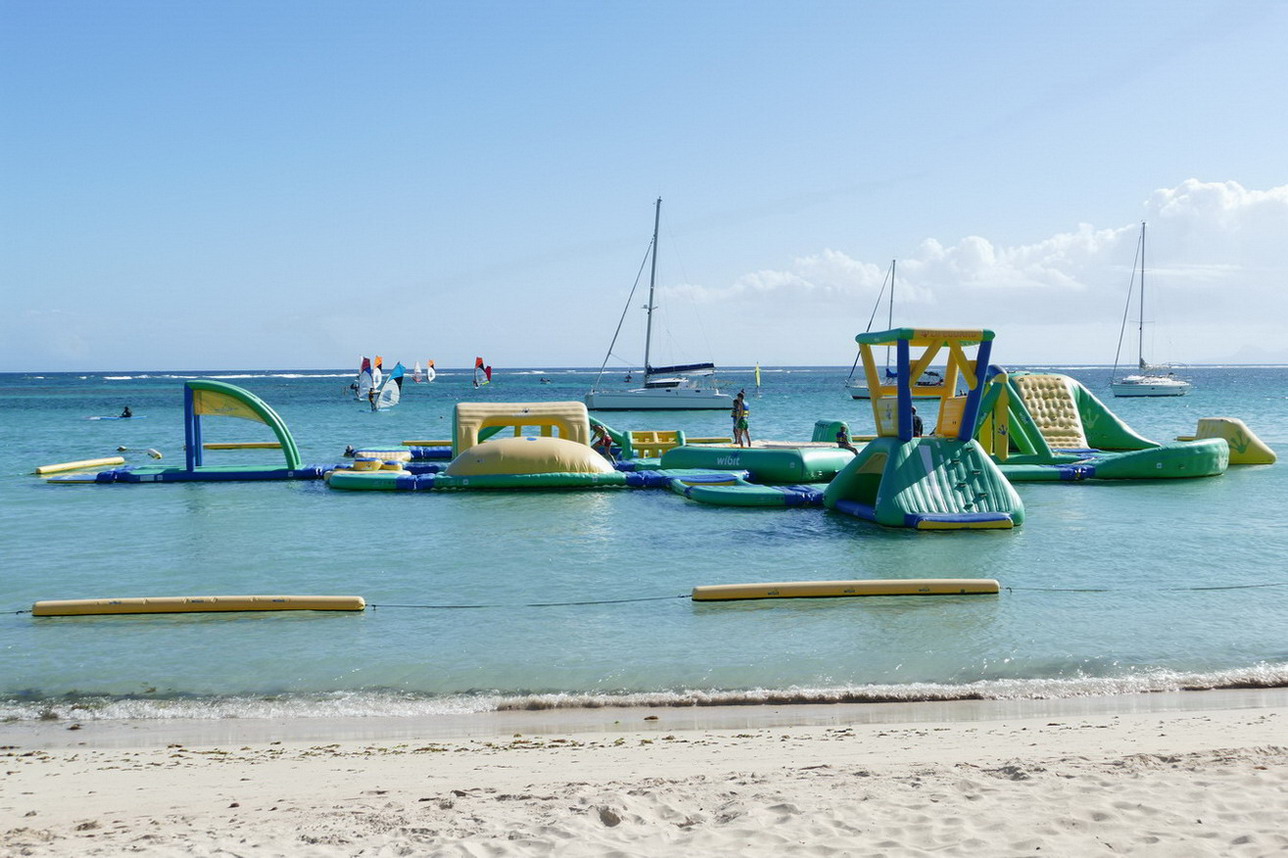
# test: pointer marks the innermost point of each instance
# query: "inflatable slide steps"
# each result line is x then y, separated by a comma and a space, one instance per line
926, 484
1064, 433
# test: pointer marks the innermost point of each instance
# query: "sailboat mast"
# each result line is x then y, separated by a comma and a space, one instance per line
890, 322
1140, 328
652, 280
890, 314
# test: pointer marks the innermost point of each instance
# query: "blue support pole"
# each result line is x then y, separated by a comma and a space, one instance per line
905, 390
966, 430
191, 431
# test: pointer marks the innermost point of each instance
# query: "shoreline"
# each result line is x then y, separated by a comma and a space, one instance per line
151, 733
1194, 773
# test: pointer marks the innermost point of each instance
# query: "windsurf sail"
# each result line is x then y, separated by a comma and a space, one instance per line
390, 390
428, 374
482, 372
363, 384
758, 376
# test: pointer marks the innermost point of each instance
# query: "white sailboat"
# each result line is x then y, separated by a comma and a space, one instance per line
931, 383
666, 388
1151, 380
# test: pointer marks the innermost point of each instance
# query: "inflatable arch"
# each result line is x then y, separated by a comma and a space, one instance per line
473, 420
205, 397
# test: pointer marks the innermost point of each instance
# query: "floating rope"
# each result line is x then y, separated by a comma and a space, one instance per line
538, 604
1155, 590
689, 596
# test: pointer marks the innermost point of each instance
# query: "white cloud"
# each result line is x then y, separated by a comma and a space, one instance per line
1207, 242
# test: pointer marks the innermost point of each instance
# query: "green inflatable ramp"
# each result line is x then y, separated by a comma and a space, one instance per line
926, 484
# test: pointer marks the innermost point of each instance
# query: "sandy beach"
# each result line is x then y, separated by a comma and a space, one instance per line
1197, 773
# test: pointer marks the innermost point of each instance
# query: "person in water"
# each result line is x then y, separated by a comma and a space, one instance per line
127, 412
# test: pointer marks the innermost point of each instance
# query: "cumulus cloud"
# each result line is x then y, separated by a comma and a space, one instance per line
1206, 242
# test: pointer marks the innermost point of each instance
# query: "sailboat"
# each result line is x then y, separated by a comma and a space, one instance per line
666, 388
1151, 380
931, 383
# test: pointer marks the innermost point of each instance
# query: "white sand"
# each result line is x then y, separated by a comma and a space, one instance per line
1161, 775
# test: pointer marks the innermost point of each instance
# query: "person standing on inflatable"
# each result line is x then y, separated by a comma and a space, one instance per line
741, 432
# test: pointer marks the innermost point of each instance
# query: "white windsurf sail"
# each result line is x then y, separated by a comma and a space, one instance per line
390, 390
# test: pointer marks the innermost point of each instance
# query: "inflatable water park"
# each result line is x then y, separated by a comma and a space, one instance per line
992, 429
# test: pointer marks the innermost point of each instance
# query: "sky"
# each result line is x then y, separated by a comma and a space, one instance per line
241, 185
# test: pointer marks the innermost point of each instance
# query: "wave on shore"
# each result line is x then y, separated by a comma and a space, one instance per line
391, 703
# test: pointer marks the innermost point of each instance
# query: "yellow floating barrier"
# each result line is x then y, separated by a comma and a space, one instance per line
193, 604
830, 589
77, 466
243, 445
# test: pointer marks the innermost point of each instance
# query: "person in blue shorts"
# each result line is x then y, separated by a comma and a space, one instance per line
741, 432
843, 440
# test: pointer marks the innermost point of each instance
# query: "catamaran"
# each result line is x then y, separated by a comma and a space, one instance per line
1152, 380
666, 388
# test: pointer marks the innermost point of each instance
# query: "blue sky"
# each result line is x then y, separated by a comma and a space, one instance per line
232, 185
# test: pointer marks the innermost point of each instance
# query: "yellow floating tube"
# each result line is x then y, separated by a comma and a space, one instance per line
826, 589
243, 445
76, 466
193, 604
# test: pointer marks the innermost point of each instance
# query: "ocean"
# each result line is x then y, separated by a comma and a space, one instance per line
496, 600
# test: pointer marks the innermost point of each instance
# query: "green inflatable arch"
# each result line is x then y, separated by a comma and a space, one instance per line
202, 397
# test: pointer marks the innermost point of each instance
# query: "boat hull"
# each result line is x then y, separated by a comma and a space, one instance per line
1151, 387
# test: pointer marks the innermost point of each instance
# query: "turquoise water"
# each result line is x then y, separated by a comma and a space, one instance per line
579, 598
